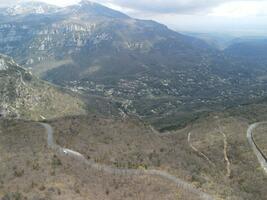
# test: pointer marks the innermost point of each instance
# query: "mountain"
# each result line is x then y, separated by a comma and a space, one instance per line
147, 69
26, 8
251, 54
126, 70
253, 50
89, 10
59, 38
217, 40
25, 96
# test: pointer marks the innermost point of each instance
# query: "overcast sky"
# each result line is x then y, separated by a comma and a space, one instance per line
240, 17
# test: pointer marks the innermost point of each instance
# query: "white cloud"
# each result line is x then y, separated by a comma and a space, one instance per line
179, 6
4, 3
241, 9
193, 7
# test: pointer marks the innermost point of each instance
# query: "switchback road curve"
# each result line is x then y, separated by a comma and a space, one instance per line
116, 171
257, 151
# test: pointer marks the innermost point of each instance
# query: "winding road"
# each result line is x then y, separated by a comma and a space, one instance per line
261, 157
111, 170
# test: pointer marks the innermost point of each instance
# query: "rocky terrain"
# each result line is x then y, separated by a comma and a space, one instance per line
25, 96
212, 154
131, 95
143, 67
216, 157
32, 171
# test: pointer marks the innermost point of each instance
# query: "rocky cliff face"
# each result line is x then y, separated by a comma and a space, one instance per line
24, 96
36, 33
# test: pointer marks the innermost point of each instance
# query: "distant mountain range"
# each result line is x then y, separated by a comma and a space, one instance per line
24, 96
216, 40
253, 50
147, 69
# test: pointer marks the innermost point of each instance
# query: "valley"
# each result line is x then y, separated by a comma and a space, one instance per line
99, 105
141, 66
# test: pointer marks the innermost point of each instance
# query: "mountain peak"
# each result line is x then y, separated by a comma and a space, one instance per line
87, 2
95, 9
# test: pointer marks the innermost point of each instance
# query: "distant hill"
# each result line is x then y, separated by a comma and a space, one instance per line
25, 96
217, 40
249, 49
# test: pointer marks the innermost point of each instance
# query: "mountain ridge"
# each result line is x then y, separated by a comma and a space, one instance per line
141, 65
24, 96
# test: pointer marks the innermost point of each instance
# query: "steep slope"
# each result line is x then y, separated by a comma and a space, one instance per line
87, 35
144, 67
130, 47
25, 96
48, 39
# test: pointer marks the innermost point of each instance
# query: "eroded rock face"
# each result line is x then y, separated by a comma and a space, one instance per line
33, 33
3, 65
33, 44
38, 35
12, 86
